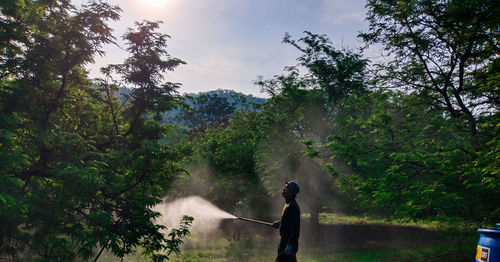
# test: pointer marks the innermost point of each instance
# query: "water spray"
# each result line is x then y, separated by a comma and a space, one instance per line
255, 221
207, 217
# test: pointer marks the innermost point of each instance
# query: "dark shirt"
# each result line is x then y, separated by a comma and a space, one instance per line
290, 225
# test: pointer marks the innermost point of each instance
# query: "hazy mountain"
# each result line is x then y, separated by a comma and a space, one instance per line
229, 97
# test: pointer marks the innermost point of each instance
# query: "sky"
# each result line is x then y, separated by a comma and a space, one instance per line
228, 43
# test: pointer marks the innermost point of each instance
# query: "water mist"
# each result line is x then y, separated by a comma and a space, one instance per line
207, 217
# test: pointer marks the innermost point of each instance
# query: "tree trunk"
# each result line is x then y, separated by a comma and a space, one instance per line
314, 221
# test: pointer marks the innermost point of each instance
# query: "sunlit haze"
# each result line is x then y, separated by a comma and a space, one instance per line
156, 3
228, 43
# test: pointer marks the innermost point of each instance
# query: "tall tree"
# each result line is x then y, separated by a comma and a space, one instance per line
82, 169
338, 73
302, 110
445, 53
443, 50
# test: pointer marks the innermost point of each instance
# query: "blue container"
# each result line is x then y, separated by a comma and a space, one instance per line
488, 246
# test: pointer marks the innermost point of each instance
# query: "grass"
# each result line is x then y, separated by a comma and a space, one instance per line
422, 254
239, 251
255, 248
242, 250
336, 219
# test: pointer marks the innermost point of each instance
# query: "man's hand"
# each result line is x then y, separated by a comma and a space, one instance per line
288, 249
276, 224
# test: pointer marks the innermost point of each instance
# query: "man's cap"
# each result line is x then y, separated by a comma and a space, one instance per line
294, 188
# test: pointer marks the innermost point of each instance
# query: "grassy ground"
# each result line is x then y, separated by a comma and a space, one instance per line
240, 251
340, 238
333, 219
250, 251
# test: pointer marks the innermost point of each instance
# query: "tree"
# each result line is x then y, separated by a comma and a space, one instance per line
302, 110
402, 163
135, 138
209, 110
292, 115
443, 50
222, 163
338, 73
41, 65
84, 169
443, 56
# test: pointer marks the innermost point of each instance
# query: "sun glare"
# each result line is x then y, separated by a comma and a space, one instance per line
157, 3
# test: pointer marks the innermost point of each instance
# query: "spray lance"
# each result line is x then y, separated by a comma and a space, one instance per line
237, 212
255, 221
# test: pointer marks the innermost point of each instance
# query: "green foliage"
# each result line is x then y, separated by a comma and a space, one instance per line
223, 164
301, 111
338, 74
405, 157
81, 169
144, 69
82, 165
208, 111
173, 243
310, 151
421, 154
440, 49
411, 166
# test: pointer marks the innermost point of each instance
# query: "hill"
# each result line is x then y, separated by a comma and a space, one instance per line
216, 105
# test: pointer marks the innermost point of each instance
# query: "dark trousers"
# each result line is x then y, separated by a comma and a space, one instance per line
282, 257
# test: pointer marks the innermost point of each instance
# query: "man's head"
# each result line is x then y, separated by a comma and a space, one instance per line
290, 190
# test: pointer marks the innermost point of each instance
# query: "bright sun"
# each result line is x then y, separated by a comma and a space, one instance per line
157, 3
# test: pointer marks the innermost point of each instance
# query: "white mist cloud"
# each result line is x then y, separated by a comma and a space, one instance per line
207, 217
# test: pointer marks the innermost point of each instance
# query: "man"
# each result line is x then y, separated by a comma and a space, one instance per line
289, 224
